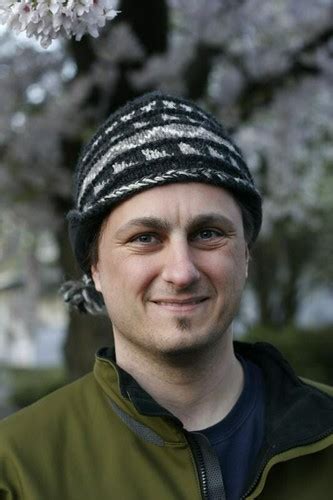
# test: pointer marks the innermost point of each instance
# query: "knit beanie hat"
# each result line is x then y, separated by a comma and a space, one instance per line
153, 140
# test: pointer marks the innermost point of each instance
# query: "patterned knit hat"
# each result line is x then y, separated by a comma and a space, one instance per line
153, 140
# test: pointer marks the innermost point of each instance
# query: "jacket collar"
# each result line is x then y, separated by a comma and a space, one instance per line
288, 400
131, 390
125, 396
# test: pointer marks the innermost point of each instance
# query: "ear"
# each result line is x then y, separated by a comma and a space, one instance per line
95, 274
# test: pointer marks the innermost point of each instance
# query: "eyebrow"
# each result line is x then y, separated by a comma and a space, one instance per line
163, 225
151, 222
211, 218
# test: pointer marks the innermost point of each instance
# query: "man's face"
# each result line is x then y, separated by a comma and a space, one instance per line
172, 266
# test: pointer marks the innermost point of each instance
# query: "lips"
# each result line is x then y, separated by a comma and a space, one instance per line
180, 305
190, 300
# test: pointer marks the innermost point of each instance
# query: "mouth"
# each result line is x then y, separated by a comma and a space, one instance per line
180, 305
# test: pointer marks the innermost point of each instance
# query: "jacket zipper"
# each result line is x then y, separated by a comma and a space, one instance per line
273, 454
199, 461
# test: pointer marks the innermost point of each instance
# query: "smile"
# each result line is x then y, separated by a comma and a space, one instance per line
176, 305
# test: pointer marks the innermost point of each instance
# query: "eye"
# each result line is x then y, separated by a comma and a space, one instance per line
208, 234
145, 239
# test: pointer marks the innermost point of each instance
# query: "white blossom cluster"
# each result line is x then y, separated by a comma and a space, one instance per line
46, 20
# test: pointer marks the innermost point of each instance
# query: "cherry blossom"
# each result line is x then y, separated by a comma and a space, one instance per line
46, 20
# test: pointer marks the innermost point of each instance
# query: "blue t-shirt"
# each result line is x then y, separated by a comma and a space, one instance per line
238, 437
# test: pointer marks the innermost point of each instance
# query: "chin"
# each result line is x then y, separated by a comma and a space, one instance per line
187, 342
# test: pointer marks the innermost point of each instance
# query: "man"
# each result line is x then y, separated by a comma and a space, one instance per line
166, 212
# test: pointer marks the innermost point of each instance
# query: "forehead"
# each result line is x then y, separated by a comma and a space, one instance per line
178, 202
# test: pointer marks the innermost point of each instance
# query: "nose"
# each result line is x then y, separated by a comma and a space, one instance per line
179, 267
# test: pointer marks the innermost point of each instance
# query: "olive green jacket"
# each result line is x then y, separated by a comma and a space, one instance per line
103, 437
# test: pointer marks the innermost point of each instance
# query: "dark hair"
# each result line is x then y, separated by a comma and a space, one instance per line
92, 254
248, 224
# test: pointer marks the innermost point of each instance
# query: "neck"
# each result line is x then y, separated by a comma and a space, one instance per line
198, 388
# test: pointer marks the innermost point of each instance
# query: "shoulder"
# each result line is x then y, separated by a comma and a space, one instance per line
38, 443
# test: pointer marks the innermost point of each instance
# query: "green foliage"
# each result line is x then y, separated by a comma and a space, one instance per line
308, 351
29, 385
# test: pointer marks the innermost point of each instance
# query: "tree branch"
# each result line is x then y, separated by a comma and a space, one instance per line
261, 92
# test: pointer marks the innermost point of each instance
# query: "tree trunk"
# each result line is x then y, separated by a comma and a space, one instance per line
85, 333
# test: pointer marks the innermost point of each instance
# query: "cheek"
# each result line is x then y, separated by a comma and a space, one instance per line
126, 277
239, 264
229, 268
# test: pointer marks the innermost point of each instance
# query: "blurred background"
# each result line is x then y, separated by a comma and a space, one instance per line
266, 70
